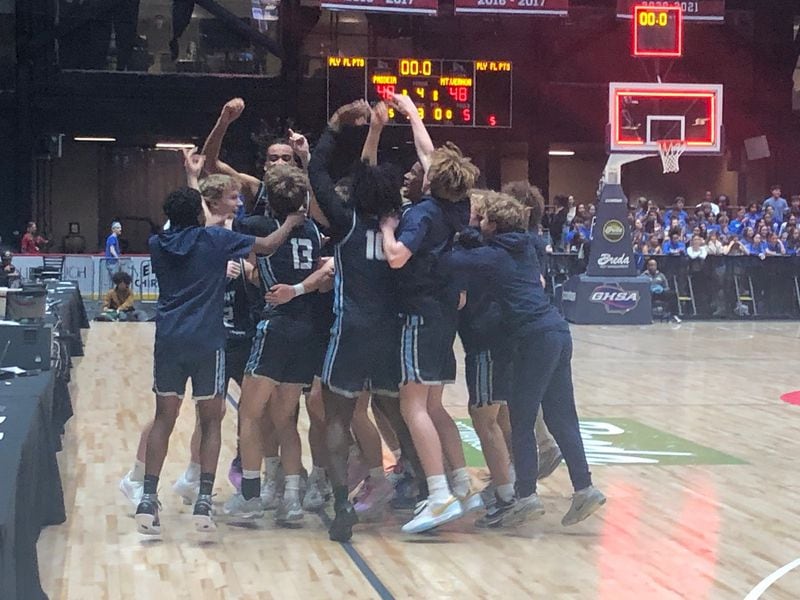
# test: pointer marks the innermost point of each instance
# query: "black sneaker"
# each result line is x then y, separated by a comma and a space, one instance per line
203, 514
494, 516
341, 529
146, 516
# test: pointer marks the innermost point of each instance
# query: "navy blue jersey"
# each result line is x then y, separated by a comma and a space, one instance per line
428, 229
508, 268
364, 285
365, 289
190, 267
239, 317
323, 303
290, 264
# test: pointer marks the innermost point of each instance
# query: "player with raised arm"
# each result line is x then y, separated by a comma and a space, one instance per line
279, 152
280, 363
541, 344
362, 350
429, 308
190, 261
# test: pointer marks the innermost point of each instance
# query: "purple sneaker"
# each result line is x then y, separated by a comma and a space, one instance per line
235, 474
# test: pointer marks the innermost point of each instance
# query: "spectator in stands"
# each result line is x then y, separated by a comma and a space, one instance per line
9, 275
723, 201
723, 226
737, 225
118, 302
639, 242
790, 223
578, 227
775, 246
653, 226
659, 287
676, 213
711, 225
735, 247
714, 245
794, 207
674, 246
697, 250
753, 215
578, 243
771, 224
757, 247
653, 246
747, 235
582, 213
32, 243
697, 231
792, 244
642, 208
777, 202
558, 222
708, 205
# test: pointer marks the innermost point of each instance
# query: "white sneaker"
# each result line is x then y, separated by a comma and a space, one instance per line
290, 512
131, 489
317, 494
237, 506
187, 490
471, 502
270, 494
434, 515
524, 509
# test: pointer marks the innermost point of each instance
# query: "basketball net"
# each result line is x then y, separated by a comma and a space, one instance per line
670, 152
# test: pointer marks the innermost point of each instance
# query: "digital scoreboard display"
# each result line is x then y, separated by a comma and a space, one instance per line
657, 31
448, 93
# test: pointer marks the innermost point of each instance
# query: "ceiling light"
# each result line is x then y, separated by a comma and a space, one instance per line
561, 153
94, 139
174, 146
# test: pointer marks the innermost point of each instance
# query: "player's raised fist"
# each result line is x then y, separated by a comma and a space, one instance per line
299, 143
193, 162
379, 115
355, 113
404, 104
232, 110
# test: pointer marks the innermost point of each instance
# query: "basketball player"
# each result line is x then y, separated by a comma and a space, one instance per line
292, 151
361, 353
542, 350
428, 306
280, 364
220, 195
189, 261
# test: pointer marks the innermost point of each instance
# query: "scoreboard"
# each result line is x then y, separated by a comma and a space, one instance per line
657, 31
448, 93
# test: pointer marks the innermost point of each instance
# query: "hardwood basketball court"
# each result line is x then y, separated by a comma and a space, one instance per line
686, 434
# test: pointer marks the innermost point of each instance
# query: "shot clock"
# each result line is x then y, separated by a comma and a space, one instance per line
657, 31
448, 93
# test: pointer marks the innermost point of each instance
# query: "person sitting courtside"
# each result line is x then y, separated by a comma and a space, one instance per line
118, 302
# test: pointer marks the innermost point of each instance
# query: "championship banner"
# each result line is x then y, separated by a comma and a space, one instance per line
411, 7
553, 8
703, 11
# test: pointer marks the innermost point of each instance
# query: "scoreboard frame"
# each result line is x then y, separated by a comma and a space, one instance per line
477, 65
645, 18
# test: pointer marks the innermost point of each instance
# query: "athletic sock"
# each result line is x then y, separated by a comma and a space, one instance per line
437, 488
206, 484
377, 474
271, 468
461, 481
505, 492
291, 489
137, 473
512, 474
151, 484
192, 472
251, 484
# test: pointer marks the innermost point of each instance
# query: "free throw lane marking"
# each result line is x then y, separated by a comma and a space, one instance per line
762, 587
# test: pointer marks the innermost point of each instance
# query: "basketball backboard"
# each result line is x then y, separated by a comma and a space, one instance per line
641, 114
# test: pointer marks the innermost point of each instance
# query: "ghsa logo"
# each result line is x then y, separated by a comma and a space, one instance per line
616, 300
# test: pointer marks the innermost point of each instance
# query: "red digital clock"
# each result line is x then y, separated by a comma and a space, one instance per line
450, 93
657, 31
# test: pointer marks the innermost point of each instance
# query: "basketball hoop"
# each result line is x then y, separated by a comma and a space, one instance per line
670, 152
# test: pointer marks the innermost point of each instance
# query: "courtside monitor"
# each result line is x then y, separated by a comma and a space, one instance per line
26, 305
657, 31
643, 114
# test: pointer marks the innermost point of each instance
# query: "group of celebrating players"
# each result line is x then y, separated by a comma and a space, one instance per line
350, 281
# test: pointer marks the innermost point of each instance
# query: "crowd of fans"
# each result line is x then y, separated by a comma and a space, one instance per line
710, 227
